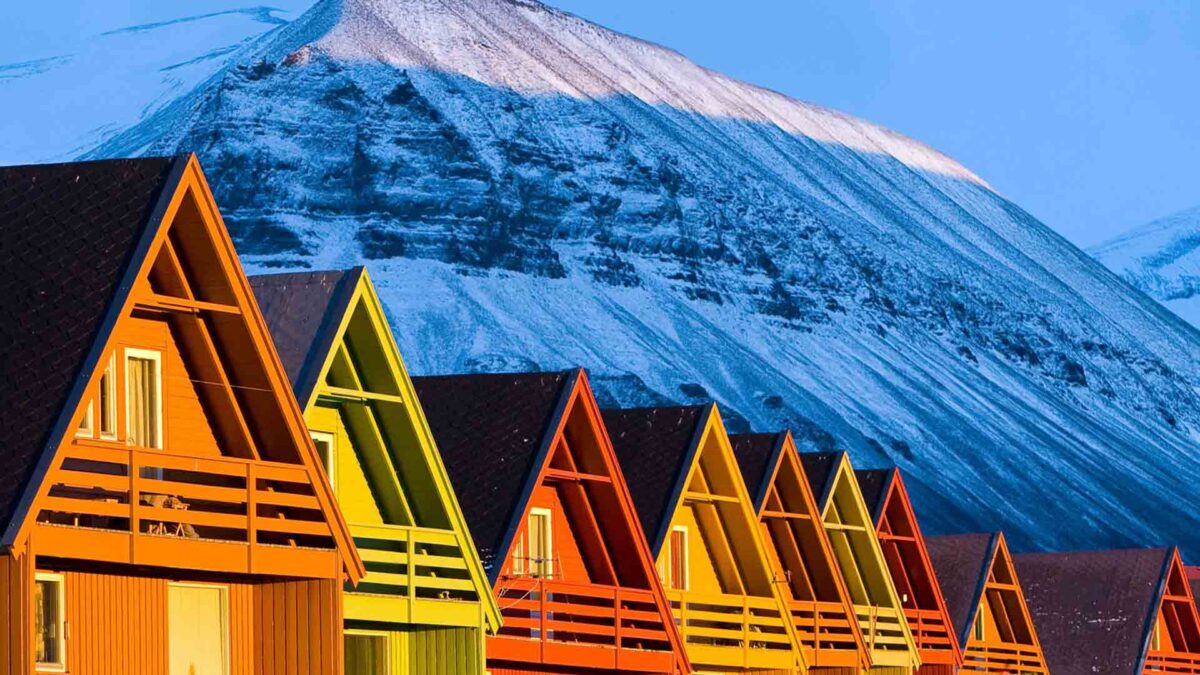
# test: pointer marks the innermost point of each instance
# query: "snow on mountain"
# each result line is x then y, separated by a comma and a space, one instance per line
65, 103
1162, 258
534, 191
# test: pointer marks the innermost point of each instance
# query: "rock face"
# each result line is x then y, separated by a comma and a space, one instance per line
534, 191
1162, 258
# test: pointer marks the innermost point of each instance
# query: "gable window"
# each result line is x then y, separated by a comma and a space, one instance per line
324, 441
86, 427
979, 631
541, 543
49, 622
143, 398
675, 571
106, 401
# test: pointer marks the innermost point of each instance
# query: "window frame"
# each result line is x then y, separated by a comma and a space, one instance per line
87, 425
686, 581
226, 619
330, 462
111, 412
60, 582
374, 635
157, 357
544, 569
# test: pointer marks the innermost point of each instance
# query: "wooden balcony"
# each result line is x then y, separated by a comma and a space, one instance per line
1172, 663
883, 633
1002, 659
932, 636
560, 623
826, 634
139, 506
414, 575
735, 631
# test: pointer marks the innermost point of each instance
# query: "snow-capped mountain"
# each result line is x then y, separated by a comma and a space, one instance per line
531, 190
1161, 258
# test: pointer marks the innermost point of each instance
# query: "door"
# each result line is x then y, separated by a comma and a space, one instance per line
198, 629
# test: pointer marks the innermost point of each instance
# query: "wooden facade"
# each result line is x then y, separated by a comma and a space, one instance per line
425, 604
176, 520
987, 604
911, 569
856, 547
801, 554
705, 538
553, 518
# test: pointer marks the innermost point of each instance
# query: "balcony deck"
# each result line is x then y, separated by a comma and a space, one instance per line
1001, 659
560, 623
735, 631
883, 633
139, 506
1172, 663
929, 631
825, 633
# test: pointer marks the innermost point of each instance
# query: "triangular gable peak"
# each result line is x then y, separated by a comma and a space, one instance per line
707, 542
379, 454
1174, 640
987, 603
800, 551
851, 530
911, 569
571, 569
187, 447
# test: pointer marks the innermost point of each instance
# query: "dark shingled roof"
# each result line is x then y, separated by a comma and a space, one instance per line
653, 445
303, 311
874, 483
492, 433
1093, 609
961, 563
819, 467
755, 453
1193, 575
70, 234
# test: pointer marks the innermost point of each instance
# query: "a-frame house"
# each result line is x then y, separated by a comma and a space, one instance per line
851, 531
911, 569
987, 604
801, 554
554, 524
1124, 612
425, 604
163, 505
705, 539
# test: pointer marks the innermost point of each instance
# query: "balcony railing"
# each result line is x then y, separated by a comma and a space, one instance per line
732, 630
930, 632
1002, 659
414, 562
1172, 663
882, 628
171, 507
551, 621
826, 632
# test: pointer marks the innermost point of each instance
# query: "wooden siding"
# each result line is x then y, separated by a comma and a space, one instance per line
16, 616
117, 625
297, 627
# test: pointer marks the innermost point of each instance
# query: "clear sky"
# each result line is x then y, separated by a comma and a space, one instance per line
1087, 114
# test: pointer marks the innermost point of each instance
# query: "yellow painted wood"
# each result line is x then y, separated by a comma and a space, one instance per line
861, 563
425, 584
732, 615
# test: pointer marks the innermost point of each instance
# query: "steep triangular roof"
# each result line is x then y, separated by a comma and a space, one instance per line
907, 555
1095, 610
333, 320
97, 241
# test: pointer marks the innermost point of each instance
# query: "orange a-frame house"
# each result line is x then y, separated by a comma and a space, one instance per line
987, 605
554, 523
911, 570
801, 554
1123, 612
163, 505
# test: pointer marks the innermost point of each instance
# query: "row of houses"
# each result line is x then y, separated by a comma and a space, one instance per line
207, 474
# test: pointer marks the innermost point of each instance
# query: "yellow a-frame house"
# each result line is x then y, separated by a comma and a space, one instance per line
851, 530
705, 538
425, 604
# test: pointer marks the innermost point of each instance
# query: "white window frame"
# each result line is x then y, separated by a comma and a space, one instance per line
226, 627
545, 569
87, 426
330, 461
686, 581
111, 369
376, 635
157, 357
61, 632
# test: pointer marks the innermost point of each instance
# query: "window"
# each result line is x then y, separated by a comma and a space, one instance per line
366, 653
48, 622
143, 398
980, 632
541, 543
676, 559
85, 425
107, 400
324, 442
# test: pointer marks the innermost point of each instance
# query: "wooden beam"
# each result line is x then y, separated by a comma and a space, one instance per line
786, 515
575, 476
347, 394
202, 341
845, 528
166, 303
708, 498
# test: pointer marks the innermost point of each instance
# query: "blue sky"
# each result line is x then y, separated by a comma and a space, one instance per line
1087, 114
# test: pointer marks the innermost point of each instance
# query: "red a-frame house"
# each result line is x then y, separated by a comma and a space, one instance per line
554, 523
911, 569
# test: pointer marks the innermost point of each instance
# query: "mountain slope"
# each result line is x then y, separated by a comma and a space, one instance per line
531, 190
1162, 258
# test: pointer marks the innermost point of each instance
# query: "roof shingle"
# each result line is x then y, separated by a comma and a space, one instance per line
820, 467
754, 453
961, 563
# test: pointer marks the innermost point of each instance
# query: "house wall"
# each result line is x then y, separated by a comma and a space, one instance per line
16, 619
568, 559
